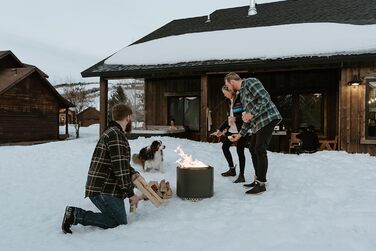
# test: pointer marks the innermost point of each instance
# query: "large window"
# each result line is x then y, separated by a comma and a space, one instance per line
185, 111
371, 109
301, 108
310, 110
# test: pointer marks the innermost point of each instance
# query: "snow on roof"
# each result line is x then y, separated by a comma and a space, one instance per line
272, 42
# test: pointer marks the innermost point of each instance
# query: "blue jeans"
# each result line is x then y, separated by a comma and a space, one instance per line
112, 213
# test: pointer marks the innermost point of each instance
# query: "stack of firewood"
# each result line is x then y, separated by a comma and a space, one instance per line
163, 189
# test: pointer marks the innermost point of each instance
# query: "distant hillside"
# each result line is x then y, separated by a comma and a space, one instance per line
133, 89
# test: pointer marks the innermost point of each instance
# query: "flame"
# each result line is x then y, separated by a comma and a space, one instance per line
186, 161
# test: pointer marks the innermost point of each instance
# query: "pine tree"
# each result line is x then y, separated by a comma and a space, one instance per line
117, 97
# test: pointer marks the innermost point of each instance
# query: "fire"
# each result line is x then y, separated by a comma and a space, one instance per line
186, 161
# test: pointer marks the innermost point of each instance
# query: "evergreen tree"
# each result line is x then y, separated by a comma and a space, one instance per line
117, 97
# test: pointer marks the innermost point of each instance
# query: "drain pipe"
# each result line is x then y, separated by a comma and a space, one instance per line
252, 8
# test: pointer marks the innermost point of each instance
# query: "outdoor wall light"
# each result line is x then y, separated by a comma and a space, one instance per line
355, 81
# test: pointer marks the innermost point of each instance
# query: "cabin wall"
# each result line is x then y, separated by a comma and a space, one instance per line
286, 82
352, 111
28, 112
157, 92
88, 117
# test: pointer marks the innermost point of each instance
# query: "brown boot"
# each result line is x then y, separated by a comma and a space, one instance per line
240, 179
230, 172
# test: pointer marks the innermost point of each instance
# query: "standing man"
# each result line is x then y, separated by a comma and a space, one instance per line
261, 116
109, 179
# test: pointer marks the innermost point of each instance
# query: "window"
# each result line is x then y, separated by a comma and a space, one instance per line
310, 110
371, 109
185, 111
299, 108
284, 105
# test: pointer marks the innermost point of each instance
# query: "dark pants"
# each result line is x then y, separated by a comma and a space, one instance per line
258, 145
112, 213
240, 145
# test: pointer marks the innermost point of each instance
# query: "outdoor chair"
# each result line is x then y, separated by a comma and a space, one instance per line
329, 144
294, 142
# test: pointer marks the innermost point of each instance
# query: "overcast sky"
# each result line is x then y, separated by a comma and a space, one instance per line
65, 37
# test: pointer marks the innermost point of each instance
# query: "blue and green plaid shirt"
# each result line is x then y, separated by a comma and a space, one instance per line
256, 101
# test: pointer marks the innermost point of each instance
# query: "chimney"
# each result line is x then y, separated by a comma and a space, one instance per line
252, 8
208, 19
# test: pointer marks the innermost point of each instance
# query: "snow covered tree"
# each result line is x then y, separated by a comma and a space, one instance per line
80, 97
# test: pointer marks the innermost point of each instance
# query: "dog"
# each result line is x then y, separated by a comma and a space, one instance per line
150, 157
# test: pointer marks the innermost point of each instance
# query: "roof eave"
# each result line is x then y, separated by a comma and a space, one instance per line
229, 64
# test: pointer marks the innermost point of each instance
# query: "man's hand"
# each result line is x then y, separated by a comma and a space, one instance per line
234, 137
247, 117
218, 133
134, 200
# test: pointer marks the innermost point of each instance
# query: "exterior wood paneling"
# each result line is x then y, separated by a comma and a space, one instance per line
28, 112
156, 101
88, 117
352, 110
286, 82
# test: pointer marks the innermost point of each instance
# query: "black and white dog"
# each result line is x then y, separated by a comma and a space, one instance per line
150, 157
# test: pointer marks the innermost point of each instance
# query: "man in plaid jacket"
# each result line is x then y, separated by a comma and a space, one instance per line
110, 177
261, 116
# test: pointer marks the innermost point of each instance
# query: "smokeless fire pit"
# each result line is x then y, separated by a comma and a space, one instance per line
194, 182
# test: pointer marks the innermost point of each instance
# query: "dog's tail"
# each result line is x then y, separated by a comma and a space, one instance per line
136, 159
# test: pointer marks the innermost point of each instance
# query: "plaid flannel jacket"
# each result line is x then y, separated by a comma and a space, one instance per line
110, 171
256, 101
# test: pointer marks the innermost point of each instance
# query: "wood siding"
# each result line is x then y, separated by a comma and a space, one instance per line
28, 112
286, 82
156, 101
352, 111
88, 117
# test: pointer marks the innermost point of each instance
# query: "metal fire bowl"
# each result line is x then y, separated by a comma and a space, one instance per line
194, 182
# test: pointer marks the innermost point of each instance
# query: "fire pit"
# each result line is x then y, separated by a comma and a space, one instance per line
194, 179
194, 182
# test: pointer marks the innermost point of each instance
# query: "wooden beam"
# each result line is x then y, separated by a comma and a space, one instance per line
66, 121
204, 109
103, 90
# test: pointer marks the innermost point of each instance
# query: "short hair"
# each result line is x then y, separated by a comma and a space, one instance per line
232, 76
120, 111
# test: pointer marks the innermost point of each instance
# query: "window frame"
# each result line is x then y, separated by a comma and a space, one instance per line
366, 110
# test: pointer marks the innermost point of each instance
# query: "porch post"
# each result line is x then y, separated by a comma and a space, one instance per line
66, 121
204, 110
103, 90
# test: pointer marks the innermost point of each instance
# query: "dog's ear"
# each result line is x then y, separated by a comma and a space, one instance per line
155, 145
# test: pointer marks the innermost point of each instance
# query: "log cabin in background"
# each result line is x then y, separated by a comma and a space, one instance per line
29, 104
317, 59
88, 117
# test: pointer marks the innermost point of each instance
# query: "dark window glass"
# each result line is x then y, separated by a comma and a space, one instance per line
371, 110
185, 111
284, 105
311, 110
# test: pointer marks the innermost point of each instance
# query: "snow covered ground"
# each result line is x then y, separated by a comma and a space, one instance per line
322, 201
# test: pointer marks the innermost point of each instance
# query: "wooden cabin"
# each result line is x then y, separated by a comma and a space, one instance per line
29, 104
317, 59
88, 117
67, 113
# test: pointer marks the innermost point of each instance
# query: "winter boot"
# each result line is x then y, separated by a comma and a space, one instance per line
257, 189
230, 172
251, 184
240, 179
68, 220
